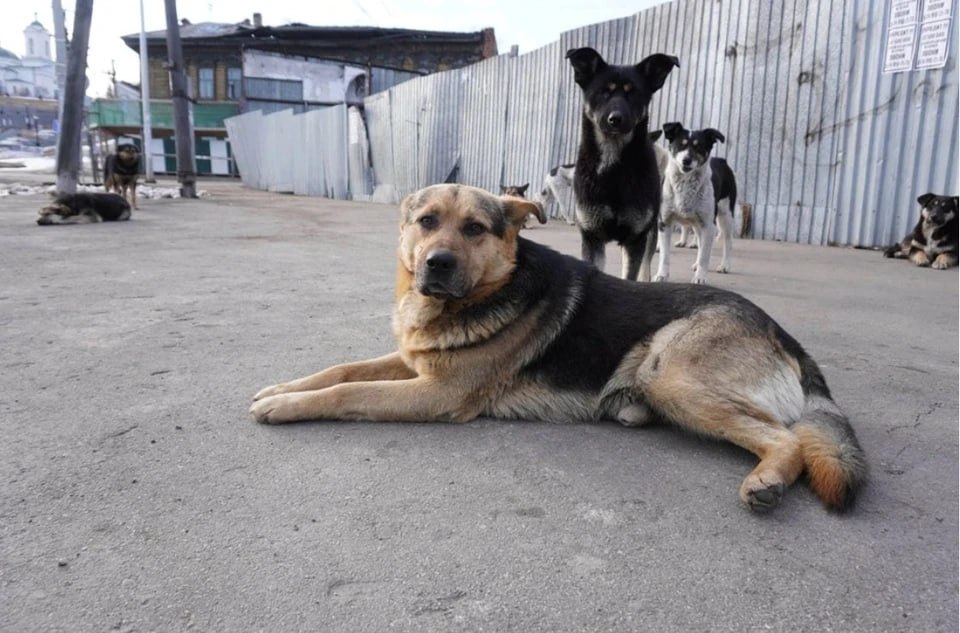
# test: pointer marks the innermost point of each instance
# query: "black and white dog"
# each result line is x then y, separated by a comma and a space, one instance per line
616, 181
698, 192
934, 241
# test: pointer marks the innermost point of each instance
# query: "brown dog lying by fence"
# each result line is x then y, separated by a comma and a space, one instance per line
491, 324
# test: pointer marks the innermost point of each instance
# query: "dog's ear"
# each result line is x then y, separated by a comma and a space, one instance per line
925, 199
517, 210
586, 63
655, 69
654, 136
407, 205
715, 135
672, 130
503, 190
523, 189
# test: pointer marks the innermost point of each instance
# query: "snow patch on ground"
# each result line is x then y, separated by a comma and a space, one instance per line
144, 192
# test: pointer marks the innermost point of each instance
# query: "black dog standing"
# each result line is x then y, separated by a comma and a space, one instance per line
616, 182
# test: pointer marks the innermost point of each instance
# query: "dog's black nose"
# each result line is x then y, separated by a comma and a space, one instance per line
441, 262
615, 118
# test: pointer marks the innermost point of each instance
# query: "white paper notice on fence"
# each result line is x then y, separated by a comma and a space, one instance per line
904, 13
934, 44
917, 39
936, 10
900, 45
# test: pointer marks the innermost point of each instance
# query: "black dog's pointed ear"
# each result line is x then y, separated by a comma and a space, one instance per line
715, 135
654, 136
523, 188
672, 130
925, 199
656, 67
586, 63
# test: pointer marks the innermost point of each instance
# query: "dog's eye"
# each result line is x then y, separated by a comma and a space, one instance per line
429, 222
627, 87
611, 87
473, 229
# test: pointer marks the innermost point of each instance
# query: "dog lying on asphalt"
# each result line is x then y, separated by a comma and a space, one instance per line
616, 180
120, 172
489, 323
84, 208
934, 241
699, 192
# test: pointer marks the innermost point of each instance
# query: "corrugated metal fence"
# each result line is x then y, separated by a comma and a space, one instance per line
826, 147
316, 153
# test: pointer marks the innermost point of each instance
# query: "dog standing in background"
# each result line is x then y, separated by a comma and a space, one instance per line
558, 187
934, 241
616, 181
699, 192
120, 171
517, 191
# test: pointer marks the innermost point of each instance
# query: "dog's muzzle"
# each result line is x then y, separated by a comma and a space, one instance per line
617, 122
441, 276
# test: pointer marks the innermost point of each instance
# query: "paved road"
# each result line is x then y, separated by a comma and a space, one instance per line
138, 494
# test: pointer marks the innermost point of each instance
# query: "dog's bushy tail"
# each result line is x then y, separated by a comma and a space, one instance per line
834, 462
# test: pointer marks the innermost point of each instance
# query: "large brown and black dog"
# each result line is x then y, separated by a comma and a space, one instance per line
491, 324
120, 171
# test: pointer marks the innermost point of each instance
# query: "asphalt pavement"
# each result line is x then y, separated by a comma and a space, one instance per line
139, 495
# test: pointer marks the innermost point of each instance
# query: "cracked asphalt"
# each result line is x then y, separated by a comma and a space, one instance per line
139, 495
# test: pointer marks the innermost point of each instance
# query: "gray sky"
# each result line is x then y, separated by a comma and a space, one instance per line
529, 24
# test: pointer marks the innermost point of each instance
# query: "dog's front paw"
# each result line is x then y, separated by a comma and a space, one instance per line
699, 279
275, 409
266, 392
723, 268
943, 262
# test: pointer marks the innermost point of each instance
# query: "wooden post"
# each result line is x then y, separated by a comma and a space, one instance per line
746, 219
145, 103
186, 172
94, 166
71, 127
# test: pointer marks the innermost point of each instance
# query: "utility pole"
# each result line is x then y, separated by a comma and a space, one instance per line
60, 36
71, 127
145, 100
186, 172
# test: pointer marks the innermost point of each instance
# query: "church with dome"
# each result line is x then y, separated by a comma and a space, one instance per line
34, 74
